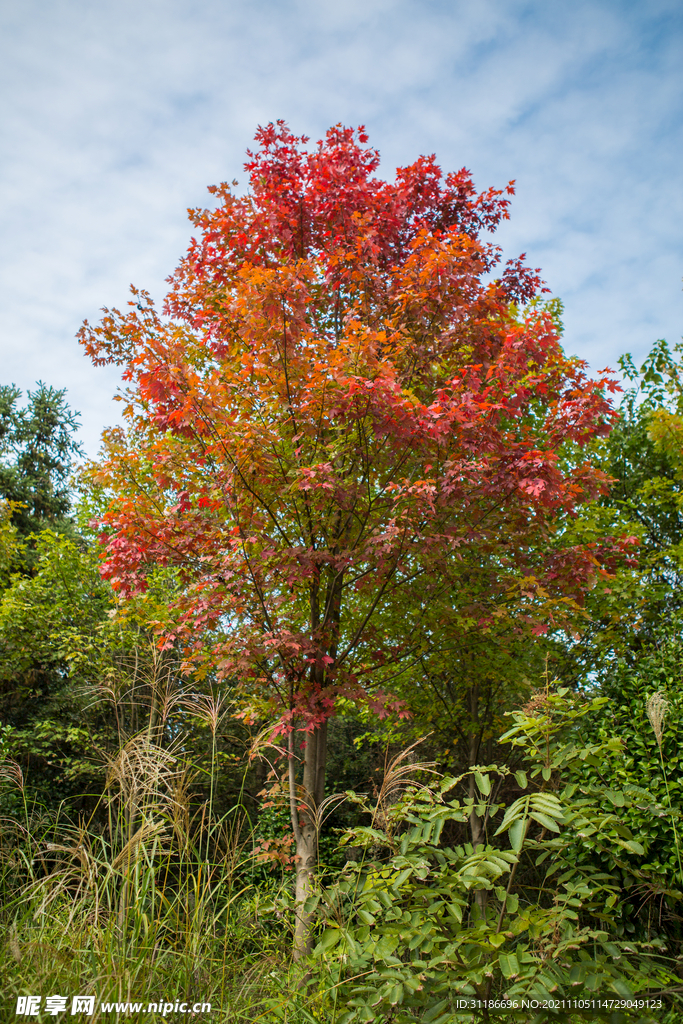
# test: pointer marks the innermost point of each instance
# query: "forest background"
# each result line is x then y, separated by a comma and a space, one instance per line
347, 683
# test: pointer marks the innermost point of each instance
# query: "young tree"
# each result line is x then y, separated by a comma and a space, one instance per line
349, 418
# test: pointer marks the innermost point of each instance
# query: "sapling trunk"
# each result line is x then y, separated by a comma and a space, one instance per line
305, 827
476, 821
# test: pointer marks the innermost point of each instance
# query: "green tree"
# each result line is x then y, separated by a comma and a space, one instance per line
641, 457
37, 452
51, 624
629, 648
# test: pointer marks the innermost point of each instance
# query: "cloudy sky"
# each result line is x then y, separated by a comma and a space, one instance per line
117, 115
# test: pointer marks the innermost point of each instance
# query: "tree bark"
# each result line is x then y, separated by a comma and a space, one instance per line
303, 807
305, 804
476, 821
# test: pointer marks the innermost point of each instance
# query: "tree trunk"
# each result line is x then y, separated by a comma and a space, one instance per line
303, 808
472, 759
476, 820
304, 805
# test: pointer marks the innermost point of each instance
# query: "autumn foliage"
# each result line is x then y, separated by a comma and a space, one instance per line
350, 417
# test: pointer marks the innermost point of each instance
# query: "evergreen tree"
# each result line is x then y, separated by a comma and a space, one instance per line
37, 451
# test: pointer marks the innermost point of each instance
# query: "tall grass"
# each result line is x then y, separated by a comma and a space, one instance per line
156, 906
160, 904
657, 708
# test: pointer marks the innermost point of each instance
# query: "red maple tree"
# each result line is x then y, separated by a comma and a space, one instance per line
348, 409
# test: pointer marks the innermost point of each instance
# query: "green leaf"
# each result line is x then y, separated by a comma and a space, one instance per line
396, 995
577, 974
386, 946
522, 780
483, 783
509, 965
401, 878
516, 810
329, 940
430, 1015
517, 831
548, 803
456, 911
544, 820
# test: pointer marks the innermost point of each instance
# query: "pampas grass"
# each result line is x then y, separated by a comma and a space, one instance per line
657, 707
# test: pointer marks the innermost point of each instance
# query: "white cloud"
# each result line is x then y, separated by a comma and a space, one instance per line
118, 114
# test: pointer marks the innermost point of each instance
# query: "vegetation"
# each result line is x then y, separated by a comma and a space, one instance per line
346, 685
37, 447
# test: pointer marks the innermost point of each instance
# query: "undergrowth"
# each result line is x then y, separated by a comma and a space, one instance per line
152, 902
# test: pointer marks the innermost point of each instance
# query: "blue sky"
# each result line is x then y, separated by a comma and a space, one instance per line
116, 116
